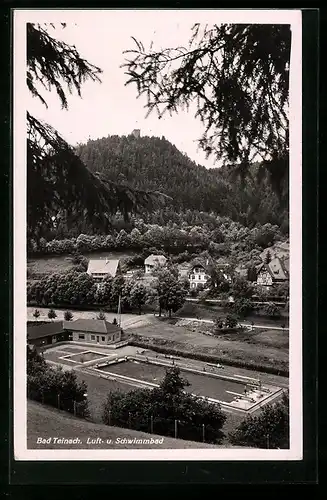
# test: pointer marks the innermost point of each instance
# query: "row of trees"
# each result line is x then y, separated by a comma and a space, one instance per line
74, 288
55, 386
223, 238
167, 291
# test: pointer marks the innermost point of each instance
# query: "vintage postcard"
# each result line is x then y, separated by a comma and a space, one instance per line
157, 235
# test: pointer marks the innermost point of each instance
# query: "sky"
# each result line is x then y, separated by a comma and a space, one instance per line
111, 108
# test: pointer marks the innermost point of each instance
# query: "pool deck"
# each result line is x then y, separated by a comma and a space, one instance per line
106, 366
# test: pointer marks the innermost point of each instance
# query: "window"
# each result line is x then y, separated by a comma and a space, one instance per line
92, 337
192, 276
81, 337
103, 339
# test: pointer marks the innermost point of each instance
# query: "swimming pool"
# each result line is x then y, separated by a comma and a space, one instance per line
201, 385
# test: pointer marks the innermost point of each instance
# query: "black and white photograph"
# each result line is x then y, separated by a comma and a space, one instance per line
157, 234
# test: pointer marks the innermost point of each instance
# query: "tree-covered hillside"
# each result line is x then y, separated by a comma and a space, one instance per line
155, 164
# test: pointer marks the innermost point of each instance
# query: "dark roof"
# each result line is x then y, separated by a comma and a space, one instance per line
91, 325
276, 268
44, 330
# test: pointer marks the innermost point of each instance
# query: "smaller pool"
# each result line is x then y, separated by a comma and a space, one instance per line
84, 357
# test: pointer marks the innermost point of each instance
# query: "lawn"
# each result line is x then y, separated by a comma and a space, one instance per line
97, 390
46, 422
61, 263
212, 310
264, 347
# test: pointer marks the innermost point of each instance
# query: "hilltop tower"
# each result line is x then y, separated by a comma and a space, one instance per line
136, 133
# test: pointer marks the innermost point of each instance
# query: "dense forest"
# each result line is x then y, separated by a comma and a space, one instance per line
152, 163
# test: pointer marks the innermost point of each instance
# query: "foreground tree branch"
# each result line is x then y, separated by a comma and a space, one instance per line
59, 184
238, 77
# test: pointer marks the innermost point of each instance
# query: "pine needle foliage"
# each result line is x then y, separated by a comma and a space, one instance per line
59, 184
238, 77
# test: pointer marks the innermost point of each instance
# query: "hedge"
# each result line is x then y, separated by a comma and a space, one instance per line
210, 358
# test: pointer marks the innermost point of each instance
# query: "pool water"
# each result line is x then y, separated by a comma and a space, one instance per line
200, 385
84, 357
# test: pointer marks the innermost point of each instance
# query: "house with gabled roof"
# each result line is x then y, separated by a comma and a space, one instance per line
94, 331
100, 268
198, 275
274, 272
43, 334
154, 261
199, 272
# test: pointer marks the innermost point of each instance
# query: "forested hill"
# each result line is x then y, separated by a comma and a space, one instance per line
156, 164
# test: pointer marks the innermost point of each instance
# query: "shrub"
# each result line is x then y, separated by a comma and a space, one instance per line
231, 321
68, 315
77, 258
52, 314
165, 405
36, 314
53, 386
269, 429
101, 315
272, 310
228, 323
242, 307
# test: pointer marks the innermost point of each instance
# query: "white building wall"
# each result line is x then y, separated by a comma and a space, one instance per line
96, 338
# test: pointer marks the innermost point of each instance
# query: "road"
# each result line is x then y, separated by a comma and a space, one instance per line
132, 320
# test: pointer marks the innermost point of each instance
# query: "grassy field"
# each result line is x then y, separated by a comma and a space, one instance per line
48, 422
211, 311
61, 263
261, 346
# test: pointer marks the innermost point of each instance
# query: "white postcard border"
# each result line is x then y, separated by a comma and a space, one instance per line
264, 16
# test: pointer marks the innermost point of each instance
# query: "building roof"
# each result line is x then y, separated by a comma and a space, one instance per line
286, 265
276, 268
91, 325
44, 330
153, 260
103, 266
198, 265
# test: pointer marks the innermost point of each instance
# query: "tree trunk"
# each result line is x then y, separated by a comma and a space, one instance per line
169, 313
159, 311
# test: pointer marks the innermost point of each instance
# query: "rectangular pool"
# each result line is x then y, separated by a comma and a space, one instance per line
84, 357
201, 385
70, 349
